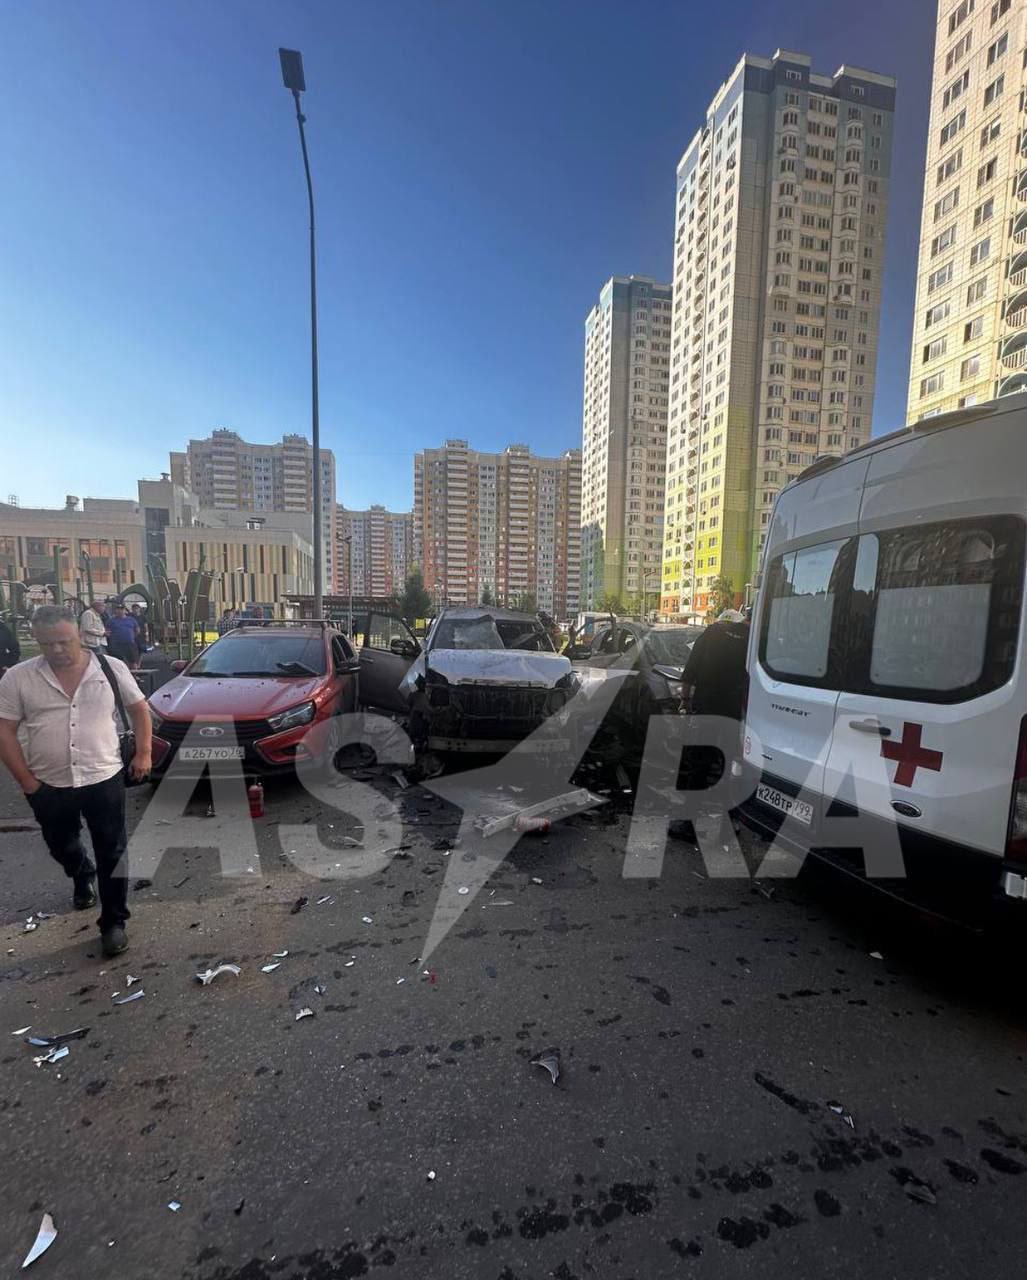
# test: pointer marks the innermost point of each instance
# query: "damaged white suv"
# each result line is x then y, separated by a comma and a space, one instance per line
485, 680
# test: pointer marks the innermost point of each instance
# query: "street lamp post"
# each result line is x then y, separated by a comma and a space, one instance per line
293, 78
349, 573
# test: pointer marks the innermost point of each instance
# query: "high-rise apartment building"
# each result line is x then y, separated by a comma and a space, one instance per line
379, 545
229, 473
779, 246
970, 327
624, 439
508, 523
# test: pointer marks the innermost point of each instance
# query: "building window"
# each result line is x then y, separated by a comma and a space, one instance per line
980, 251
994, 90
970, 368
990, 132
948, 132
930, 386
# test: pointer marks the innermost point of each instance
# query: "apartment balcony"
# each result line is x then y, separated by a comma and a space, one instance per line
1016, 311
1021, 187
1020, 228
1013, 385
1014, 351
1018, 270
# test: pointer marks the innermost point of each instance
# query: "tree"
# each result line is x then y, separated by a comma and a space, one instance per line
610, 602
486, 594
721, 595
525, 602
416, 602
633, 606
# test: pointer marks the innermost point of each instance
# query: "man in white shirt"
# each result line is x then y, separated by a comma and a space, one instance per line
59, 738
91, 628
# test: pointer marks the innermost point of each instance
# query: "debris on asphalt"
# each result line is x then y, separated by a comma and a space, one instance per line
130, 980
21, 1030
210, 812
47, 1042
549, 1061
349, 964
399, 980
319, 989
52, 1055
208, 975
919, 1191
400, 781
367, 919
876, 955
304, 1013
43, 915
178, 883
463, 889
298, 905
327, 898
496, 904
270, 968
441, 846
279, 955
766, 890
174, 1205
431, 1175
45, 1237
536, 879
239, 1207
142, 884
30, 924
839, 1110
136, 995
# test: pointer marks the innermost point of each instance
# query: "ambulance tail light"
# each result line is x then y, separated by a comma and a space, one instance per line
1016, 842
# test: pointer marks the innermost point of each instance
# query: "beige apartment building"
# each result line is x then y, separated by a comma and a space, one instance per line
229, 473
509, 522
106, 532
970, 327
379, 545
251, 563
624, 439
782, 197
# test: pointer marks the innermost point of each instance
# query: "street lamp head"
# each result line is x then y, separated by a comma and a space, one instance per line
292, 70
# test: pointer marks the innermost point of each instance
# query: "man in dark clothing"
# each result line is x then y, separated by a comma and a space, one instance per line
10, 649
716, 667
716, 672
123, 637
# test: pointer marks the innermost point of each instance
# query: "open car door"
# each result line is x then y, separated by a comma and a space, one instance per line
386, 647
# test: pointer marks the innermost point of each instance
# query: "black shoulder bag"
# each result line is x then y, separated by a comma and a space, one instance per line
126, 735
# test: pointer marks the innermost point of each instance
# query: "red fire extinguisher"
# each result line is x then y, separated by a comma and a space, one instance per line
255, 795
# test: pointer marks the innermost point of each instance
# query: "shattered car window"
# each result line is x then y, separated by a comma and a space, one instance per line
467, 633
486, 632
671, 648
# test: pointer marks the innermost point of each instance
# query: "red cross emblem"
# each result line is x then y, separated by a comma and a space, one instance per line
910, 754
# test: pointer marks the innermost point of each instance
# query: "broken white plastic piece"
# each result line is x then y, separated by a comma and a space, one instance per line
45, 1237
208, 975
304, 1013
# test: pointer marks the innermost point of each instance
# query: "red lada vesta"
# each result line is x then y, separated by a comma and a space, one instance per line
254, 697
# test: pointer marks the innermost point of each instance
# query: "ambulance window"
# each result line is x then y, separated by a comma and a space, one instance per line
947, 607
802, 591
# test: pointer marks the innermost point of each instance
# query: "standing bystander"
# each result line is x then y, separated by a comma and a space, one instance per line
59, 739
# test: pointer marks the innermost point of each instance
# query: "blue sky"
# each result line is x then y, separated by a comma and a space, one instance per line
480, 169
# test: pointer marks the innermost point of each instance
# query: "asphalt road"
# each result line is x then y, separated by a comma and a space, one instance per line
703, 1031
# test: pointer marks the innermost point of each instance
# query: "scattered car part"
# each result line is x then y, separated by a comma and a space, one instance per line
208, 976
548, 1061
45, 1237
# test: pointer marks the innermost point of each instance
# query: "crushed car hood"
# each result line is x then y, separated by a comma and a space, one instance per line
499, 666
489, 666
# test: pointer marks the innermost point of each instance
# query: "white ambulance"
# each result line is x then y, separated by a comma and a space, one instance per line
886, 675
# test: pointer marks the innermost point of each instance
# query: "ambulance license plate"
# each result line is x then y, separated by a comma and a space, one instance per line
798, 809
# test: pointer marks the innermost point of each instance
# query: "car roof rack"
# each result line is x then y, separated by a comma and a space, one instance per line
323, 623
